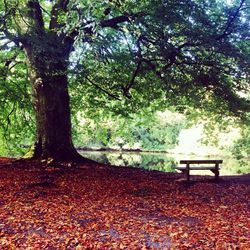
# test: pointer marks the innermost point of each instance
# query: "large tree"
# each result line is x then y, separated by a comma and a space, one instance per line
196, 52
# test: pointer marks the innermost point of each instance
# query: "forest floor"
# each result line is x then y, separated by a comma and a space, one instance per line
101, 207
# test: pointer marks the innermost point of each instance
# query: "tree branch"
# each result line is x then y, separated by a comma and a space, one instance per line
188, 44
132, 81
113, 22
103, 90
11, 37
35, 13
61, 5
230, 22
3, 23
5, 45
157, 73
87, 26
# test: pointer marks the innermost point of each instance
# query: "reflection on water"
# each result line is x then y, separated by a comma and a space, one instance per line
151, 161
161, 161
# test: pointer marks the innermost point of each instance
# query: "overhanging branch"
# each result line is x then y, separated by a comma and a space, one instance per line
113, 22
132, 81
230, 21
11, 37
103, 90
88, 26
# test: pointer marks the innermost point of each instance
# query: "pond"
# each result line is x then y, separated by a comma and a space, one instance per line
163, 161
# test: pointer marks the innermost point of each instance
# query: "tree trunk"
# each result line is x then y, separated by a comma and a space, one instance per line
48, 77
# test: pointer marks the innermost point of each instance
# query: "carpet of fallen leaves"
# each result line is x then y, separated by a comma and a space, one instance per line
100, 207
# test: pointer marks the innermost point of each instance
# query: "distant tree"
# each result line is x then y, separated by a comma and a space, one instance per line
195, 52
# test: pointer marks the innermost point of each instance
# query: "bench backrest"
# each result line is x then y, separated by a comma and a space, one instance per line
200, 161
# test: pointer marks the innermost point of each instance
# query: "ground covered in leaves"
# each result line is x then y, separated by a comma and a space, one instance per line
100, 207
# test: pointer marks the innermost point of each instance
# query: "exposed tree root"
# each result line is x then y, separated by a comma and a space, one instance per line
66, 158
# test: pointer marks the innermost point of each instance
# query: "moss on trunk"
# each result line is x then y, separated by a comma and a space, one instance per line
48, 77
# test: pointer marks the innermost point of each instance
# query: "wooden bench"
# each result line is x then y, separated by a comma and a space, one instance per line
186, 169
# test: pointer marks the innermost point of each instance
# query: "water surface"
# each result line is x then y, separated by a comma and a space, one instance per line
163, 161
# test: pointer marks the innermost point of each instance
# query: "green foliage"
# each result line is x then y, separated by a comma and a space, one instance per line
145, 131
174, 54
16, 114
241, 148
241, 151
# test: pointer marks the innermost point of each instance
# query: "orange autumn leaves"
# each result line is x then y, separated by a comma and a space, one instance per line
94, 207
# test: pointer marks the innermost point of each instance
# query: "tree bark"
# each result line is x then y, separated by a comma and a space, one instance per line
47, 64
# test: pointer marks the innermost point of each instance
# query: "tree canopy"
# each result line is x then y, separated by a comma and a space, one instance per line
125, 55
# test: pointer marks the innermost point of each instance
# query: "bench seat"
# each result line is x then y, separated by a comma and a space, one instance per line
199, 166
196, 168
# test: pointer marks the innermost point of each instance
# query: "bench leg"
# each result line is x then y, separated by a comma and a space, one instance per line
188, 172
216, 171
